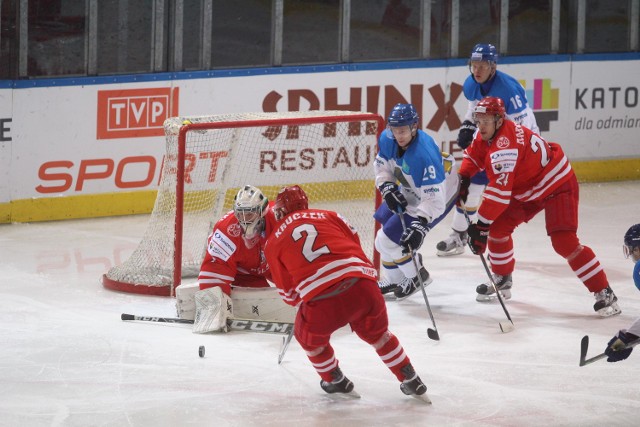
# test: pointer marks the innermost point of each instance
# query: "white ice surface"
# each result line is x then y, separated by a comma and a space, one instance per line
66, 358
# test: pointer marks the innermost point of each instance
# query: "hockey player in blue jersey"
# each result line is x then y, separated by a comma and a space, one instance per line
615, 348
415, 179
484, 80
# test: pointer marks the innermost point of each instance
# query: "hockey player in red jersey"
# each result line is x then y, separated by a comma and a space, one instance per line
318, 265
526, 175
234, 247
234, 256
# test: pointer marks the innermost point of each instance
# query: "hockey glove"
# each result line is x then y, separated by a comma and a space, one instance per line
478, 234
465, 182
465, 135
413, 236
394, 198
615, 348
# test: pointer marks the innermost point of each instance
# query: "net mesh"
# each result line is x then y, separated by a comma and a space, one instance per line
329, 153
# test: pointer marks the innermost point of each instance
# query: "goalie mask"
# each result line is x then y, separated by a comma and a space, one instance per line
249, 208
290, 199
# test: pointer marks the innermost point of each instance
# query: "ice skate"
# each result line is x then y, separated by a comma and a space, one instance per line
387, 286
410, 285
341, 384
453, 245
606, 303
503, 284
413, 385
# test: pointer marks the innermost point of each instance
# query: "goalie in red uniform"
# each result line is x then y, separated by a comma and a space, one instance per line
318, 265
526, 175
235, 257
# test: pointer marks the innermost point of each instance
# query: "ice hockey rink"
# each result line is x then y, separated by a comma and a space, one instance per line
66, 358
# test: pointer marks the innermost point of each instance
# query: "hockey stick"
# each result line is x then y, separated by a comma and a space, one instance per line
285, 345
233, 324
584, 346
504, 327
431, 333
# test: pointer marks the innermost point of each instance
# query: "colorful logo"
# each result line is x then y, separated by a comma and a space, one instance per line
544, 101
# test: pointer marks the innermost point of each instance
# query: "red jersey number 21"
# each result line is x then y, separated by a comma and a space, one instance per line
309, 233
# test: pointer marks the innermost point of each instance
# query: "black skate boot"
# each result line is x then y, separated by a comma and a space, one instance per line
409, 286
606, 303
340, 384
503, 284
386, 286
413, 385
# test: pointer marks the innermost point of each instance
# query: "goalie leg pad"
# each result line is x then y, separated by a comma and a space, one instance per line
185, 300
261, 304
213, 308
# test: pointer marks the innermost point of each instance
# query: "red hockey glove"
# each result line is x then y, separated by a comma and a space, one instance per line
478, 234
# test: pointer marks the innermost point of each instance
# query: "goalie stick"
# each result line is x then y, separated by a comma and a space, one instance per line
431, 333
584, 346
233, 324
504, 326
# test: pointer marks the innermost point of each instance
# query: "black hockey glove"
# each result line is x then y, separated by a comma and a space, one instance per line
615, 348
465, 135
465, 182
413, 236
478, 234
394, 198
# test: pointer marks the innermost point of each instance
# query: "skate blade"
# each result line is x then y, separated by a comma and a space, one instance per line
423, 398
345, 396
452, 252
493, 297
612, 310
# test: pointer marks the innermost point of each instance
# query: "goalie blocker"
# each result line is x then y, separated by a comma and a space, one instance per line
261, 304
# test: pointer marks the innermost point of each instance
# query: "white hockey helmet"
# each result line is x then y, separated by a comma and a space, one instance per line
250, 207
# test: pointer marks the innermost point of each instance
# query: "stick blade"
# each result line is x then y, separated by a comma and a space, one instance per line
506, 327
584, 347
433, 334
125, 316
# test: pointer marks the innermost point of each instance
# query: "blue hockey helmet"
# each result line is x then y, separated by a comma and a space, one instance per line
403, 115
631, 239
484, 52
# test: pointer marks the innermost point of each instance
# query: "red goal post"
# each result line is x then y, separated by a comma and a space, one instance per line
209, 158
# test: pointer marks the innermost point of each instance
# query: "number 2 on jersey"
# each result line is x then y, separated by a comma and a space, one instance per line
311, 234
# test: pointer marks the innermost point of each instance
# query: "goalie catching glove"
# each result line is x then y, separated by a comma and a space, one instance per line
213, 308
413, 236
393, 197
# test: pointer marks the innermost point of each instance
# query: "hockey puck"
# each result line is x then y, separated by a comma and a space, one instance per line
201, 351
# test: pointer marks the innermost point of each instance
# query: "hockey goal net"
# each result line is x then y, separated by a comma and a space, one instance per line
209, 158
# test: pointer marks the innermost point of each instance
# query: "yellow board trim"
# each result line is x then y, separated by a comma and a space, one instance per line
141, 202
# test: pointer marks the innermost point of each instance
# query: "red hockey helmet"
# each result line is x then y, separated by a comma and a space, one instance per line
490, 105
290, 199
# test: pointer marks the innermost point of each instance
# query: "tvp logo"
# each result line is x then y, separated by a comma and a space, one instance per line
135, 112
543, 100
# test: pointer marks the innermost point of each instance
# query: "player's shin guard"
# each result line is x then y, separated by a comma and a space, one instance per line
324, 362
586, 266
392, 354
